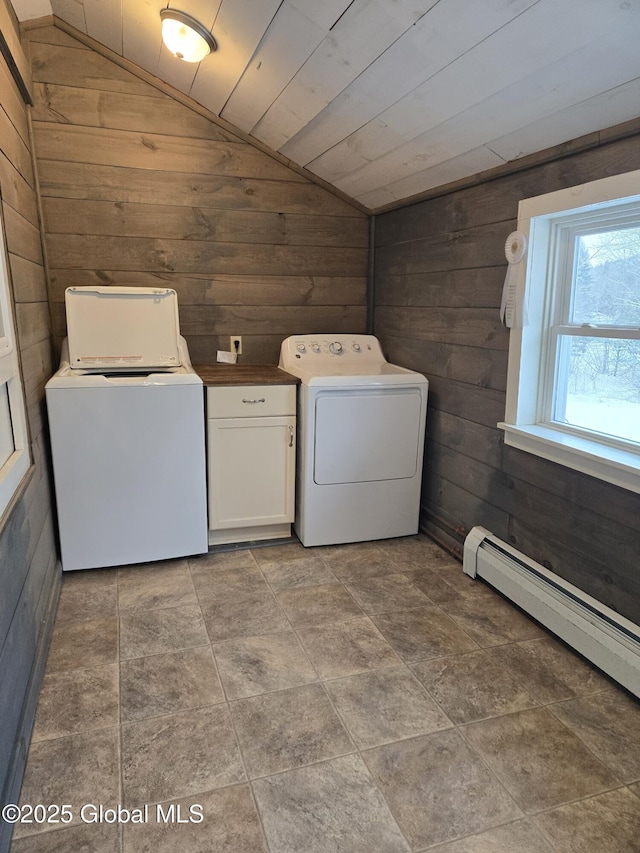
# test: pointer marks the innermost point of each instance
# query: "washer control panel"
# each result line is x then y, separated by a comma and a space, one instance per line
317, 349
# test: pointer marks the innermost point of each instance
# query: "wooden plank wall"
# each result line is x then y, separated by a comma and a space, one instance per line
139, 189
439, 272
29, 570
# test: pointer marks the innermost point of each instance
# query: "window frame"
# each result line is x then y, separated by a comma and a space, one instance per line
16, 467
528, 425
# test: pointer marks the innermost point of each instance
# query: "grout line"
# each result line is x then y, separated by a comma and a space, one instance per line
240, 753
355, 751
433, 848
576, 734
166, 652
621, 787
492, 773
498, 775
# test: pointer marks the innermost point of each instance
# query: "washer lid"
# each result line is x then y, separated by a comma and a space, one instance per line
122, 327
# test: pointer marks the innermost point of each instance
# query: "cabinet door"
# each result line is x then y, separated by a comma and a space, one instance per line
251, 471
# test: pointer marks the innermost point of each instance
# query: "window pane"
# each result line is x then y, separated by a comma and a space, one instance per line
6, 432
598, 385
607, 281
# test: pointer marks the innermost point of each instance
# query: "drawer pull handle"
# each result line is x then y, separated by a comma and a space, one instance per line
261, 400
290, 436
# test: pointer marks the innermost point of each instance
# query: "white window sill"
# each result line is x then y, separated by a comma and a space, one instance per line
614, 465
11, 475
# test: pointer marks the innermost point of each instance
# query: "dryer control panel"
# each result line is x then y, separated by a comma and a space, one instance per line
319, 349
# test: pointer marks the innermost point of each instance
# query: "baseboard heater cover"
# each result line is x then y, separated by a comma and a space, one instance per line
600, 634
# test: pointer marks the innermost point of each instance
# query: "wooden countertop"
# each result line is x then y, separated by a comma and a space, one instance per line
244, 374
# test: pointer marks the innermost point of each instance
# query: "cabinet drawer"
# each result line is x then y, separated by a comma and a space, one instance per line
250, 401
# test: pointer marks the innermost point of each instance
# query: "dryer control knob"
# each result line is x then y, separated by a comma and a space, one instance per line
335, 347
301, 348
356, 347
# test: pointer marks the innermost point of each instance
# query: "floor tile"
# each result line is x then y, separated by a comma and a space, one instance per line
262, 664
551, 671
608, 822
305, 571
492, 620
443, 587
432, 584
518, 837
162, 584
272, 555
287, 729
244, 617
87, 595
389, 592
77, 700
348, 551
354, 562
230, 825
438, 788
167, 683
538, 759
473, 686
88, 838
315, 605
346, 648
150, 632
222, 560
420, 634
609, 724
179, 755
469, 588
332, 807
306, 699
385, 705
93, 642
228, 584
417, 552
77, 769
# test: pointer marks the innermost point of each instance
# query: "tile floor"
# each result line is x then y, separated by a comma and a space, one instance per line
351, 699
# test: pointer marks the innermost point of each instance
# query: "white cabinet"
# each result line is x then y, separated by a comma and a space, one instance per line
251, 435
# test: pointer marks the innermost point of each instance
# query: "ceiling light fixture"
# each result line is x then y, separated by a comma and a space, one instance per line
185, 37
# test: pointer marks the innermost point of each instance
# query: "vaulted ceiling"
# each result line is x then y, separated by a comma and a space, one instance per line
385, 99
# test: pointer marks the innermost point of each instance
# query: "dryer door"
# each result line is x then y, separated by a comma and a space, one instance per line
367, 435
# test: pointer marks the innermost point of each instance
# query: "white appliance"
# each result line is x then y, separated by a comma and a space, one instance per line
361, 424
603, 636
126, 418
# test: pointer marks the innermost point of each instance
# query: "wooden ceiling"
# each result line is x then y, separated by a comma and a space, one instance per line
385, 99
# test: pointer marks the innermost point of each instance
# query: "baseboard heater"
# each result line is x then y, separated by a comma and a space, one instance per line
600, 634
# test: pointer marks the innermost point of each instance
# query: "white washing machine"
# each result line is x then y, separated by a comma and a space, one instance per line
361, 425
126, 420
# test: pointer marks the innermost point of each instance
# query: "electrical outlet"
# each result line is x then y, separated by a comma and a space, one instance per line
235, 344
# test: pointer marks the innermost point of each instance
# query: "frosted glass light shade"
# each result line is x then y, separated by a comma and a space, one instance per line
185, 37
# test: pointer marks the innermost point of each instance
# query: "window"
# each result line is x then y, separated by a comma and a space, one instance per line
573, 390
14, 455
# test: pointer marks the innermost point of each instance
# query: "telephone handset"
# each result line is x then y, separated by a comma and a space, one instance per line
513, 309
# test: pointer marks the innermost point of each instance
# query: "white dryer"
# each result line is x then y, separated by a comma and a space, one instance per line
361, 426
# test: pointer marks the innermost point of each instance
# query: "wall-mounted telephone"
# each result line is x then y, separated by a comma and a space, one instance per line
513, 308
